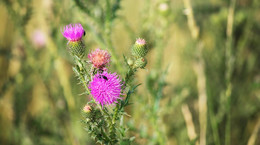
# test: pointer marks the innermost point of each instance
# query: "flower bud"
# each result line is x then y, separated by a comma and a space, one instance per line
140, 63
130, 62
76, 48
87, 109
139, 49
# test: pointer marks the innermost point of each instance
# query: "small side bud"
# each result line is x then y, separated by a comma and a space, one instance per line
76, 48
87, 109
139, 49
140, 63
130, 62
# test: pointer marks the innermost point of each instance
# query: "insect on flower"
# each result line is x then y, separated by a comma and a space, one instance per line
106, 88
104, 77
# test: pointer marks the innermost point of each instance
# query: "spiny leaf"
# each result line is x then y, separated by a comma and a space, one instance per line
126, 101
125, 59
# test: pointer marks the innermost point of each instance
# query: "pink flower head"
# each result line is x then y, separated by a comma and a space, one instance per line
73, 32
140, 41
106, 88
99, 58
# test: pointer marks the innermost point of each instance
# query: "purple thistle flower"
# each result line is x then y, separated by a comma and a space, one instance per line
106, 88
73, 32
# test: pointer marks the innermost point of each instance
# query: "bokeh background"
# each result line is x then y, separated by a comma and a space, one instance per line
201, 84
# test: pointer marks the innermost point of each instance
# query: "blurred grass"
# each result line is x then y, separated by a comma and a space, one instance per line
40, 99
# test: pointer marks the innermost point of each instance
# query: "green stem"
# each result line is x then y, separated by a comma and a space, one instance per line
104, 134
229, 69
112, 129
129, 75
115, 114
82, 70
84, 83
213, 122
103, 110
228, 106
159, 137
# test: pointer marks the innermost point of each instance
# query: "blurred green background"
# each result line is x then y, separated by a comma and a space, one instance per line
201, 85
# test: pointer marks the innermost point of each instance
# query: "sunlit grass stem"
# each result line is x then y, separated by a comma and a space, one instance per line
199, 68
229, 69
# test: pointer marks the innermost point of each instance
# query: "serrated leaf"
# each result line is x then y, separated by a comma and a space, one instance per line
126, 101
125, 59
76, 71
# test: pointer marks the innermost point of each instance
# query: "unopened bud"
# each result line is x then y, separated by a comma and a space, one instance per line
87, 109
139, 49
130, 62
140, 63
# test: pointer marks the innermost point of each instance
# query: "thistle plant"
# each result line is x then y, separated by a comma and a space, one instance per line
109, 93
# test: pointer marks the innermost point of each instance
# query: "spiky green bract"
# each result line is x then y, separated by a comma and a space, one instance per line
140, 63
76, 48
139, 49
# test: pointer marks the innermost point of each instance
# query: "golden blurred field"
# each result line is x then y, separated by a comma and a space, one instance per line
201, 84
